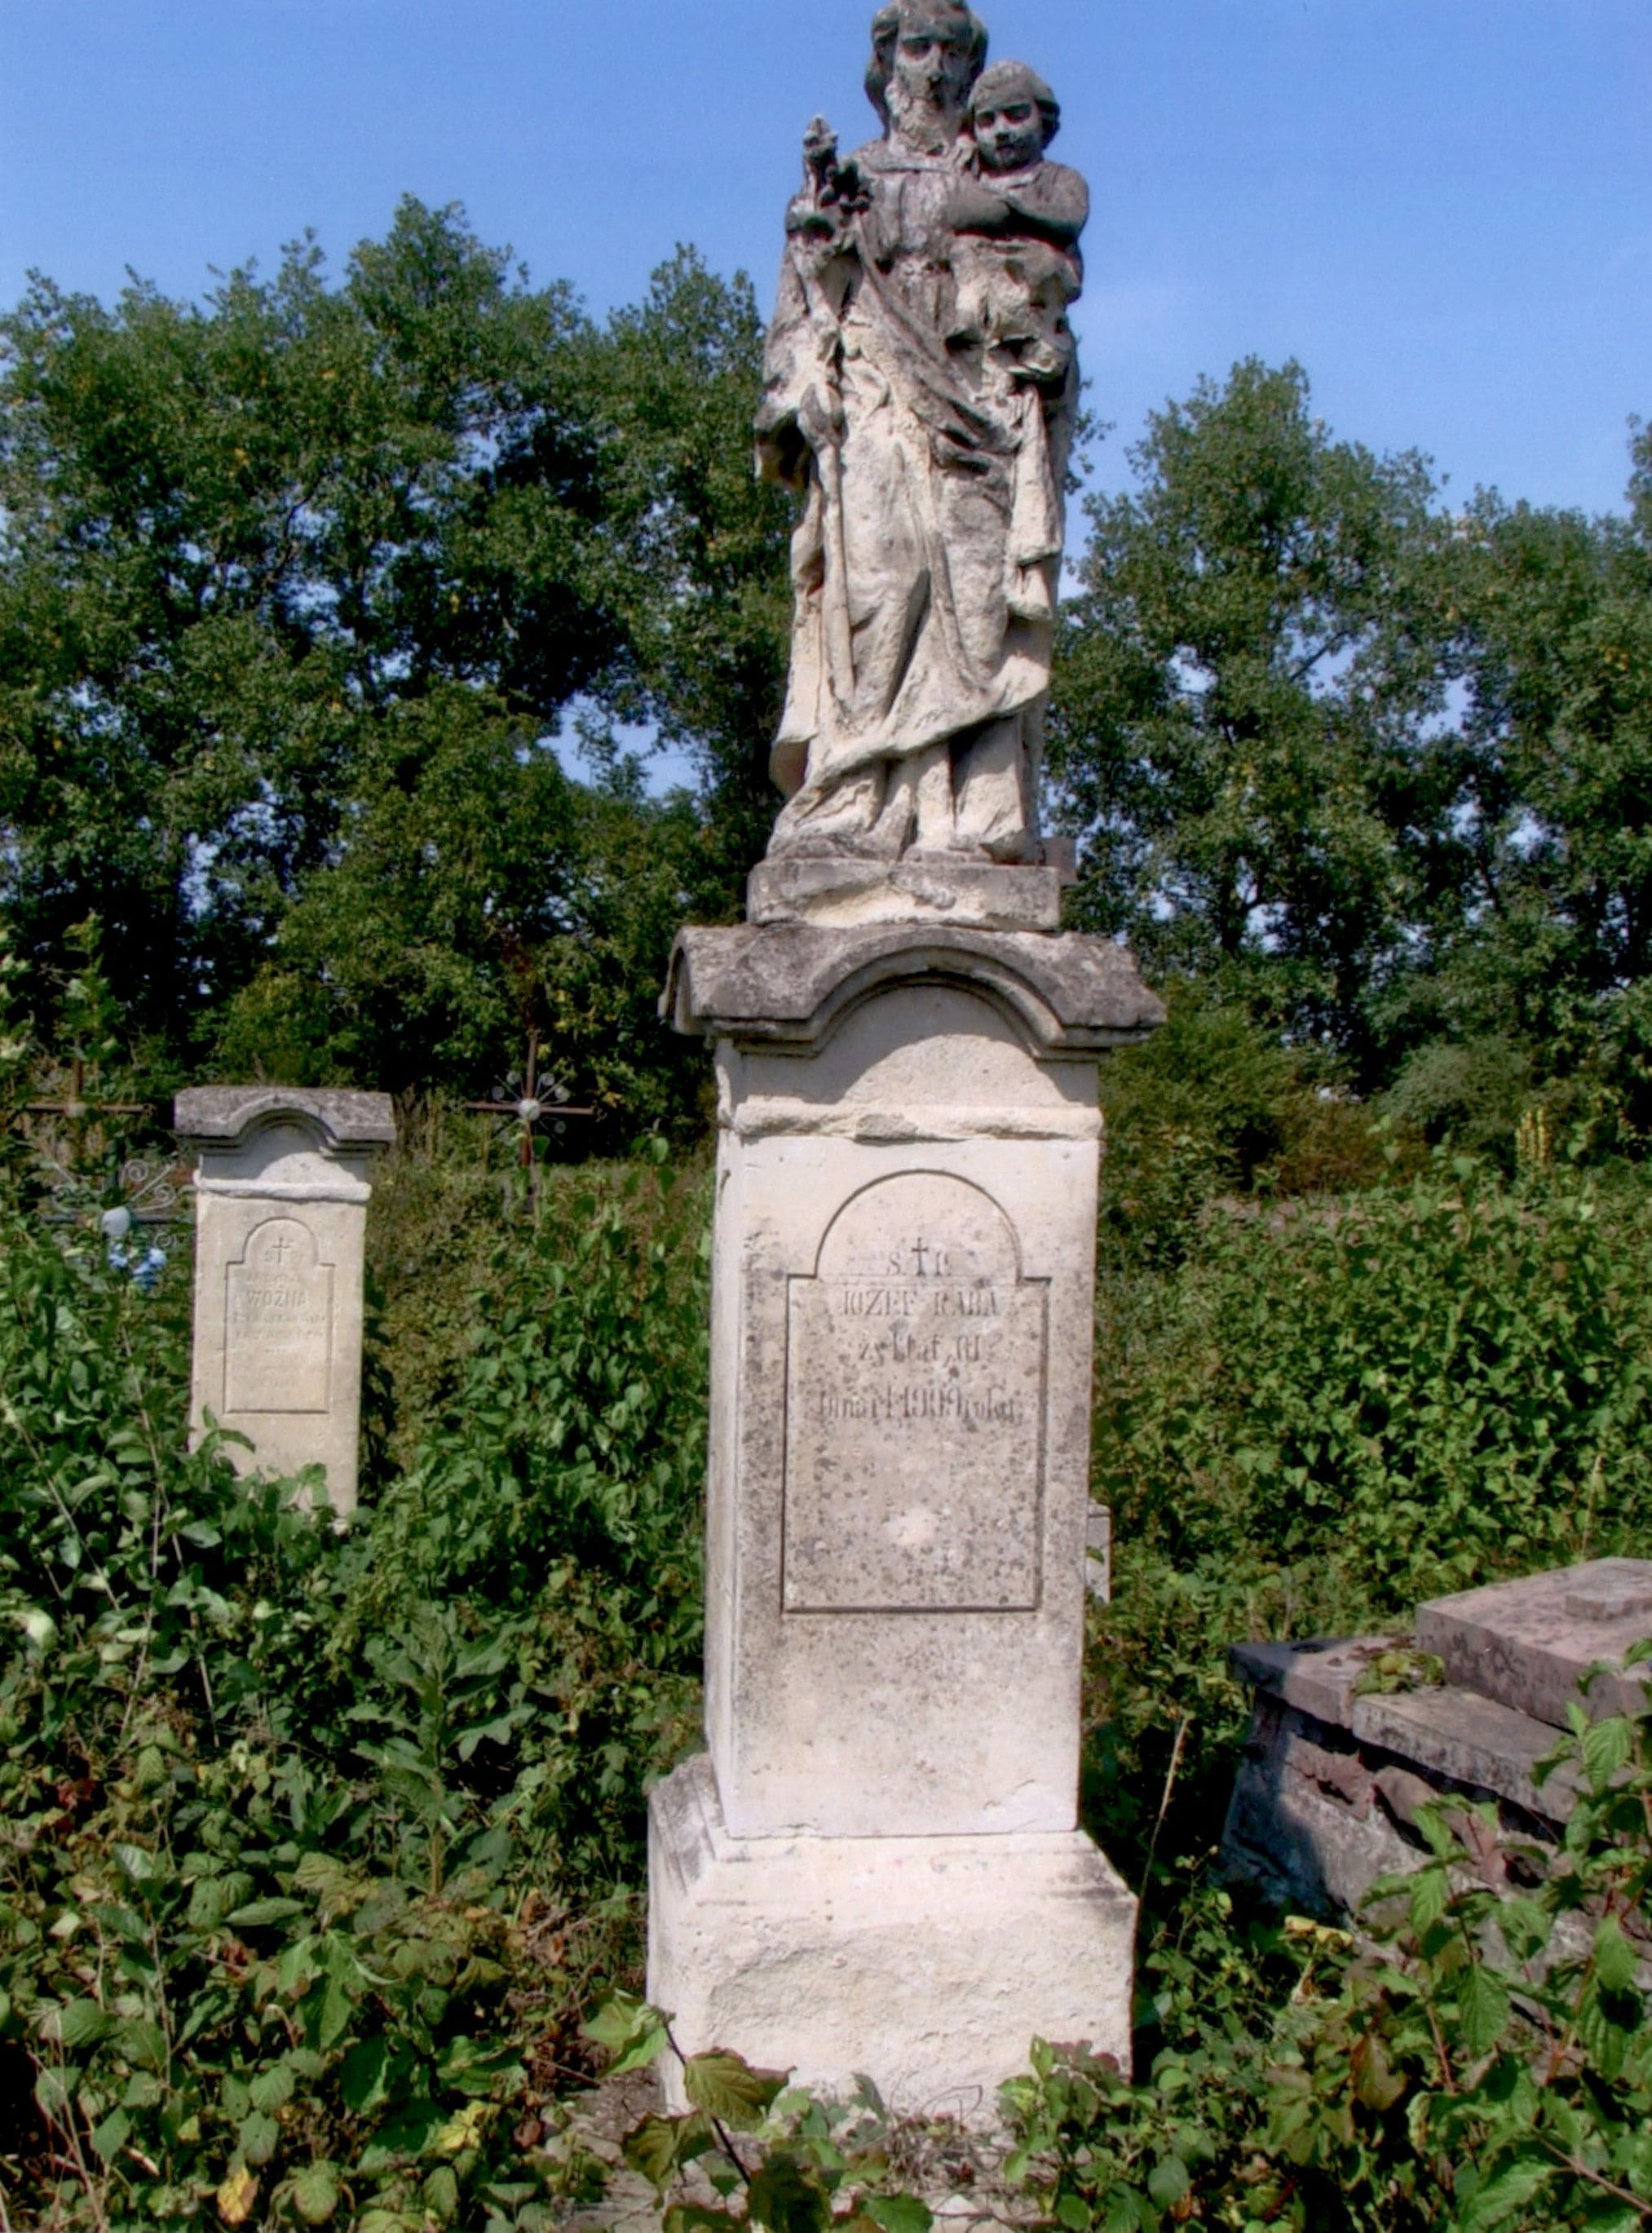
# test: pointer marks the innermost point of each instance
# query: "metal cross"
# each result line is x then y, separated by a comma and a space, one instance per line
76, 1105
149, 1188
537, 1102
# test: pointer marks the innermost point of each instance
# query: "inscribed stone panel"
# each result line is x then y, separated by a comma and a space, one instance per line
278, 1348
916, 1396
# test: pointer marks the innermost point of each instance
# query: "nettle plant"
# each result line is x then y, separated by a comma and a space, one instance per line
751, 2149
1475, 2059
315, 1843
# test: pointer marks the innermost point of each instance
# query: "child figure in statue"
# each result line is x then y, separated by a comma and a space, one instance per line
1018, 218
1015, 269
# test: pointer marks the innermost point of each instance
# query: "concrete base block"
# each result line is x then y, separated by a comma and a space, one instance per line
928, 1963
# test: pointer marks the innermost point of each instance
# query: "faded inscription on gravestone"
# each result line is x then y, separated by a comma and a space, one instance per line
279, 1317
914, 1409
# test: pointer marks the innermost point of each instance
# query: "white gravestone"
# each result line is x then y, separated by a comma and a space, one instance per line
280, 1194
878, 1865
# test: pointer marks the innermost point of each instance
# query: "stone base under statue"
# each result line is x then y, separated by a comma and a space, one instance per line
838, 892
931, 1962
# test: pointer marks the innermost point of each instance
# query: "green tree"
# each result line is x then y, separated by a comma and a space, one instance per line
1554, 944
483, 892
238, 540
702, 545
1248, 731
299, 589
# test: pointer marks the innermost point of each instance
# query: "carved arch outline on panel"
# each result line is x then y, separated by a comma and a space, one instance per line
917, 1390
1003, 992
951, 1178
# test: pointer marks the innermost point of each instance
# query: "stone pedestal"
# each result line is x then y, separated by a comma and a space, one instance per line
844, 894
930, 1963
878, 1868
280, 1194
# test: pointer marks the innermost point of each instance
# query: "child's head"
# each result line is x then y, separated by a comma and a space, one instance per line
1013, 115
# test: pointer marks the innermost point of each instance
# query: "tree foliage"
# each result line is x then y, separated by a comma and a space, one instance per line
306, 589
298, 587
1553, 942
704, 588
1375, 770
1248, 722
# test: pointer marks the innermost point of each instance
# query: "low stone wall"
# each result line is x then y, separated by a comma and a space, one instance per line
1350, 1738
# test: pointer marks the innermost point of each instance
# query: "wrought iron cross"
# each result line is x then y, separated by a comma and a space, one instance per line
537, 1105
150, 1187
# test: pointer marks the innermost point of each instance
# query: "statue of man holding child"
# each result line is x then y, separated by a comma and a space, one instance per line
921, 397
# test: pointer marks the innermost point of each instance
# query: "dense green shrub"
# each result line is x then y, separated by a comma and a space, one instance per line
1412, 1389
318, 1841
1211, 1105
1333, 1408
319, 1844
1477, 2060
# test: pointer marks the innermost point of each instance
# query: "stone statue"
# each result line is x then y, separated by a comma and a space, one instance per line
921, 391
876, 1863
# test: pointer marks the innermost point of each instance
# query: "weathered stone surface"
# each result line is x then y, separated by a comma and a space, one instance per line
878, 1865
1529, 1644
1328, 1798
281, 1196
278, 1351
929, 1963
902, 1308
343, 1120
921, 392
840, 893
1465, 1740
791, 984
1304, 1823
1098, 1553
1317, 1678
914, 1403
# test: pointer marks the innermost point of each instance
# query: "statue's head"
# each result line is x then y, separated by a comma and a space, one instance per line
1013, 116
926, 56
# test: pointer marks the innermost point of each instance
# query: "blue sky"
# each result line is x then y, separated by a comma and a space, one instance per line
1443, 207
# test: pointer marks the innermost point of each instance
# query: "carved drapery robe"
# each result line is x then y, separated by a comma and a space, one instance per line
924, 564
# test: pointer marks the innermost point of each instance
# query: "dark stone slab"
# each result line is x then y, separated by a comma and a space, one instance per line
1469, 1741
1330, 1791
787, 984
1449, 1734
1318, 1678
1307, 1824
223, 1116
1528, 1644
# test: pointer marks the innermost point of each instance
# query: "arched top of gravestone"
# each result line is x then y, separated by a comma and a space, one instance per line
790, 985
333, 1121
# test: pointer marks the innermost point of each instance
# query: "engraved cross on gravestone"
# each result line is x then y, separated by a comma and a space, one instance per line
281, 1197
